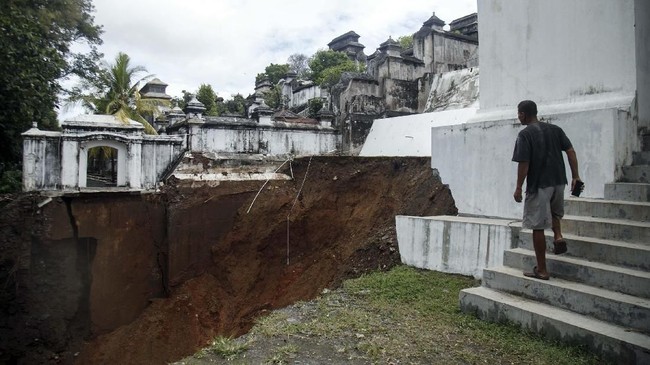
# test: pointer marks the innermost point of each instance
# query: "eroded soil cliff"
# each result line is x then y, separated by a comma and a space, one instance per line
152, 278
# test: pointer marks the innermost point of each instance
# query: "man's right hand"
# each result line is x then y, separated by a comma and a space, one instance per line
573, 183
517, 195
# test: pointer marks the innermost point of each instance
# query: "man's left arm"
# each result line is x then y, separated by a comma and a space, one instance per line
522, 171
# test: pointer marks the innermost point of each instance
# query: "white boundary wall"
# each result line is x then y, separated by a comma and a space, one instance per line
410, 135
274, 139
459, 245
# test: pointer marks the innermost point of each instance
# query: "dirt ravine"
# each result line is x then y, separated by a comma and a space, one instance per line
149, 279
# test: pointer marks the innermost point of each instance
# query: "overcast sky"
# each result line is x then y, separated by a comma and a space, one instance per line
226, 43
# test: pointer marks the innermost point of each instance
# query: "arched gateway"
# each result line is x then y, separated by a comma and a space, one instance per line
59, 160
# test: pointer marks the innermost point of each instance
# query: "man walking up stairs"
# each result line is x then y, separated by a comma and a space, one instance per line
598, 294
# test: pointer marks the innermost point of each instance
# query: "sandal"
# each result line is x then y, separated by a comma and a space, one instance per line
535, 274
559, 246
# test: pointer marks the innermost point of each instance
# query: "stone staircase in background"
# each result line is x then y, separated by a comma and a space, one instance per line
599, 292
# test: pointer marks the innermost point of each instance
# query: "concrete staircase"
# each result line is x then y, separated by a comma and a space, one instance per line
599, 292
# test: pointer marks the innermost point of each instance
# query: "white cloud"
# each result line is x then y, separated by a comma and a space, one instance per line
226, 43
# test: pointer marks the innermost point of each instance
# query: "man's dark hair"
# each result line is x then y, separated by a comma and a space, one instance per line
528, 107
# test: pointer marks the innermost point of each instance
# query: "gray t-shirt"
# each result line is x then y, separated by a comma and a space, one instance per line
541, 144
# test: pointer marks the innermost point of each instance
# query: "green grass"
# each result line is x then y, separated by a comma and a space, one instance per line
224, 347
412, 316
282, 354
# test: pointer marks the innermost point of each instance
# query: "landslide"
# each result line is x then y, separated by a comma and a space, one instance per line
235, 255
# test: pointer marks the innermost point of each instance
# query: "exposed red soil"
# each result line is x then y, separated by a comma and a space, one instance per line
226, 267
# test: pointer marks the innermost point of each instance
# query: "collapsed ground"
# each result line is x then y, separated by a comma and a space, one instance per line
155, 277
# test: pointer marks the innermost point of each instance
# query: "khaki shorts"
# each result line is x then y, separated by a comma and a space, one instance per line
540, 207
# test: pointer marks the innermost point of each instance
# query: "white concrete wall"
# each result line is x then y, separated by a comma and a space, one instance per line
70, 164
475, 158
156, 157
41, 163
53, 160
642, 27
134, 164
555, 50
269, 140
410, 135
450, 52
458, 245
302, 96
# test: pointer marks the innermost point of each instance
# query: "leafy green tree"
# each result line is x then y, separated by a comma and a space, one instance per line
327, 66
315, 105
273, 98
116, 92
234, 106
35, 42
273, 72
406, 41
208, 97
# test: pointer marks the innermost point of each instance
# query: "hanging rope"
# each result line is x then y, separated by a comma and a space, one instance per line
294, 204
267, 181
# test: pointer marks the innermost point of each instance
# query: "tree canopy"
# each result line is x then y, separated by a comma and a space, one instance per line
234, 106
35, 38
208, 97
116, 91
405, 41
327, 66
273, 73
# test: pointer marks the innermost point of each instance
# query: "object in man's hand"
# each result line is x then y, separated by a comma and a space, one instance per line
577, 188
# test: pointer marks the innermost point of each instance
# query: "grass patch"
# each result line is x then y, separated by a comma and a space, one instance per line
413, 315
283, 354
224, 347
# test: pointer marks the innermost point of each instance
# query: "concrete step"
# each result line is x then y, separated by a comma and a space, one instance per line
636, 174
621, 309
610, 277
636, 192
615, 209
606, 228
630, 255
641, 158
614, 343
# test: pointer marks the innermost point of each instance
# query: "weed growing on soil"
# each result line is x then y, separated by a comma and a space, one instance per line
224, 347
407, 316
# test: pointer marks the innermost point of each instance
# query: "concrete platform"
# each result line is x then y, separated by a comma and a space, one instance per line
461, 245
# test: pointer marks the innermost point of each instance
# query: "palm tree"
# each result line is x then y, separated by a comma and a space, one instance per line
115, 92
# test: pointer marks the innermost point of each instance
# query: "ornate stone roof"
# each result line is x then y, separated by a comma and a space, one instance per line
351, 34
155, 89
434, 20
194, 106
157, 81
